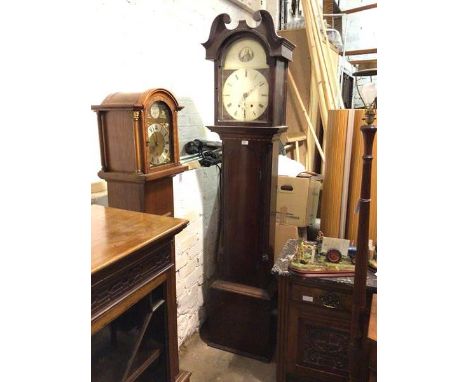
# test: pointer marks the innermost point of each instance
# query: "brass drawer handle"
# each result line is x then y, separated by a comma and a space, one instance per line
330, 300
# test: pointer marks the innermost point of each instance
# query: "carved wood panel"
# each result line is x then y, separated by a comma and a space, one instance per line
110, 288
323, 348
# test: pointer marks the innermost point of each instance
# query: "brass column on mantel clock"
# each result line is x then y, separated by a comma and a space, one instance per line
140, 149
250, 72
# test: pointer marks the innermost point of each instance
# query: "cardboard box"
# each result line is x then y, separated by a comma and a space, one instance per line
297, 200
283, 233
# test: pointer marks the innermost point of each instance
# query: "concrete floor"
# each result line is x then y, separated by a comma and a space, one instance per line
208, 364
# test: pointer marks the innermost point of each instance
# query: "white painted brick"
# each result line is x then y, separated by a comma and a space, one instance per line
180, 286
181, 261
194, 278
182, 322
182, 245
188, 302
188, 269
200, 297
193, 252
201, 314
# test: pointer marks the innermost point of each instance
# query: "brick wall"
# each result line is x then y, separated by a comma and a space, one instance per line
196, 199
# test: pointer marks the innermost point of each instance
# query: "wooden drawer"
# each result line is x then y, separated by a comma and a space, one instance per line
329, 299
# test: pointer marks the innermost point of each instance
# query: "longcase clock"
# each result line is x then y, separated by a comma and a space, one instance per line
139, 149
250, 104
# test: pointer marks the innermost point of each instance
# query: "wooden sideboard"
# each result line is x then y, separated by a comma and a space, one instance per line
133, 297
314, 323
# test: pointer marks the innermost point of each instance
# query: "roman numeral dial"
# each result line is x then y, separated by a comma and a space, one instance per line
245, 94
158, 144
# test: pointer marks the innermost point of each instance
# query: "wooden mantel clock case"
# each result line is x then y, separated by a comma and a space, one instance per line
139, 149
250, 102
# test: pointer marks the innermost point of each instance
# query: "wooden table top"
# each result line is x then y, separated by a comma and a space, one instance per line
115, 233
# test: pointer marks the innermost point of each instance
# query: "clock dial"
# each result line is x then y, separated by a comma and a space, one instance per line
245, 94
245, 89
158, 144
159, 134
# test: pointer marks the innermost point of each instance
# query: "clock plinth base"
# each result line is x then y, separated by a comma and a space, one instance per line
148, 193
240, 320
138, 196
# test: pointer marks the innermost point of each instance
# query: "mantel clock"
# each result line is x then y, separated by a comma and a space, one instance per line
250, 74
139, 149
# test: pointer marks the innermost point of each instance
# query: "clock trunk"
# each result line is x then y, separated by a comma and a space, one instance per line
241, 297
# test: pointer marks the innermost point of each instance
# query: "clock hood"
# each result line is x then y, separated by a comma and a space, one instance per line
276, 46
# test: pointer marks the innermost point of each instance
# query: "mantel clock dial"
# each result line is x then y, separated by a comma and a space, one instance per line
159, 134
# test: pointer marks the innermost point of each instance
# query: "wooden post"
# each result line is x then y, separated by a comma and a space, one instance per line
309, 123
324, 95
360, 278
313, 110
355, 176
296, 151
316, 28
325, 50
335, 149
316, 42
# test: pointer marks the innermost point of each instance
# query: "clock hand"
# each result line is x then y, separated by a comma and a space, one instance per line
151, 141
245, 95
242, 100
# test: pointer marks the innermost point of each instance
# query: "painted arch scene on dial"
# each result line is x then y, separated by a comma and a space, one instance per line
245, 82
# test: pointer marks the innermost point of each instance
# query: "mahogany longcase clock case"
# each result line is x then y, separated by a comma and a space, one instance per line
139, 149
250, 70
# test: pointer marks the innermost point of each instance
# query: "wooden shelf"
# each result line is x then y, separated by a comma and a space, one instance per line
359, 52
364, 64
124, 350
245, 290
147, 354
295, 137
110, 363
359, 9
